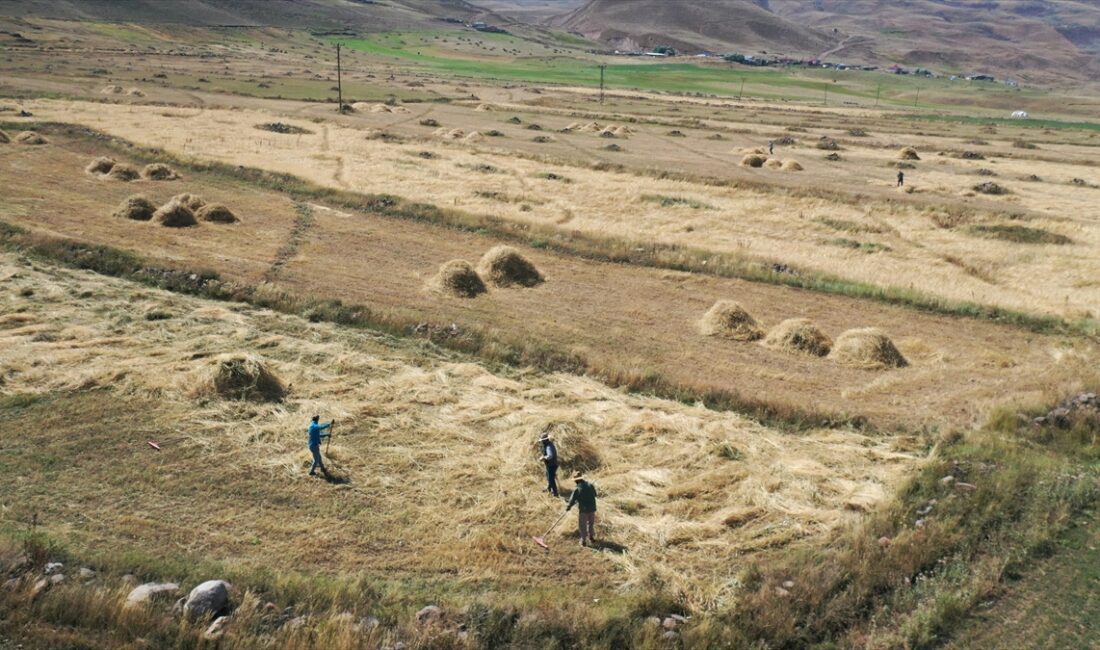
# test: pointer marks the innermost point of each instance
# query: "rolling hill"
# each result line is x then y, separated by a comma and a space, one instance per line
1029, 39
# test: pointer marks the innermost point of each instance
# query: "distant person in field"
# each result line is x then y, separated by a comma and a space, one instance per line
901, 179
771, 147
584, 497
316, 432
550, 459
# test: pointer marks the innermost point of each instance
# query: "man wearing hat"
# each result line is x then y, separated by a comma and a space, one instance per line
584, 497
316, 432
550, 459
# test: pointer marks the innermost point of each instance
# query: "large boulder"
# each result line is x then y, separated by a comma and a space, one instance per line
211, 597
151, 591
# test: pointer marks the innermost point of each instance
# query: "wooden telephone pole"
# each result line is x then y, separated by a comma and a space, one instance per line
602, 68
339, 82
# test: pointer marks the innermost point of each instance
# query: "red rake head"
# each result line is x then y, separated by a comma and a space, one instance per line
541, 542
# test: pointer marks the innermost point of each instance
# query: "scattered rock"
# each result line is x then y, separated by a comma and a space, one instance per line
781, 592
653, 621
150, 591
57, 579
86, 573
670, 623
947, 480
216, 629
967, 487
53, 567
40, 587
788, 584
210, 597
430, 615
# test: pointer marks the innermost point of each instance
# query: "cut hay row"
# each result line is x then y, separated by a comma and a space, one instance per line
4, 138
861, 348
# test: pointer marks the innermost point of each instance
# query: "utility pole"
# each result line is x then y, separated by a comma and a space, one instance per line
603, 67
742, 91
339, 82
878, 93
917, 100
826, 95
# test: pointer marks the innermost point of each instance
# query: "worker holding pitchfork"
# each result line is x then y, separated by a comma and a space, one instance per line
316, 432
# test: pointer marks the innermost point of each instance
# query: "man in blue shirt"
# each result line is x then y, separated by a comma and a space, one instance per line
550, 458
316, 432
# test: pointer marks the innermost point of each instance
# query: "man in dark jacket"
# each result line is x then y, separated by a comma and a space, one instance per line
316, 432
550, 459
584, 497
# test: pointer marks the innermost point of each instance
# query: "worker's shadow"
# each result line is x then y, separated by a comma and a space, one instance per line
605, 545
336, 478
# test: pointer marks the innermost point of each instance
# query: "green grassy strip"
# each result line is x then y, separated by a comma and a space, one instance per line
993, 121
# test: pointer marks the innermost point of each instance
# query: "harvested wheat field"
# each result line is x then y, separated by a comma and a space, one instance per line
621, 320
922, 243
414, 502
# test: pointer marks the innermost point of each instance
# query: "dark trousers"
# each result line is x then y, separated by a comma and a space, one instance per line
317, 462
552, 478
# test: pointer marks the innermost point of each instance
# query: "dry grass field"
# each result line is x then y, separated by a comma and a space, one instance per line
807, 396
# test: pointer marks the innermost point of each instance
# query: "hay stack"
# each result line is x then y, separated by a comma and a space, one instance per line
216, 213
754, 160
908, 153
175, 215
30, 137
135, 92
123, 172
112, 90
361, 106
867, 348
459, 279
485, 108
100, 165
774, 163
136, 208
192, 201
799, 335
239, 377
472, 136
504, 266
576, 450
159, 172
4, 138
380, 108
591, 127
729, 319
791, 166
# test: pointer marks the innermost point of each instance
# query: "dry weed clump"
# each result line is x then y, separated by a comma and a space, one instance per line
123, 172
159, 172
867, 348
504, 266
136, 208
192, 201
728, 319
754, 160
458, 278
30, 137
239, 376
216, 213
175, 214
908, 153
100, 165
799, 335
791, 166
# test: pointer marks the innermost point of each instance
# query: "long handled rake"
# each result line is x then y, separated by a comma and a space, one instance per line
541, 539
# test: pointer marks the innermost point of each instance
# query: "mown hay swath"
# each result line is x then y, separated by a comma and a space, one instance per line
136, 208
175, 215
867, 348
458, 278
504, 266
800, 336
728, 319
30, 137
239, 376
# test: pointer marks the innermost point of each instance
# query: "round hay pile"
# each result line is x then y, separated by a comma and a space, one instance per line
504, 266
380, 108
774, 163
361, 106
123, 172
239, 377
472, 136
754, 160
4, 138
192, 201
216, 213
867, 348
485, 108
908, 153
175, 215
799, 335
30, 137
112, 90
459, 279
729, 319
135, 92
136, 208
159, 172
791, 166
591, 127
100, 165
576, 450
